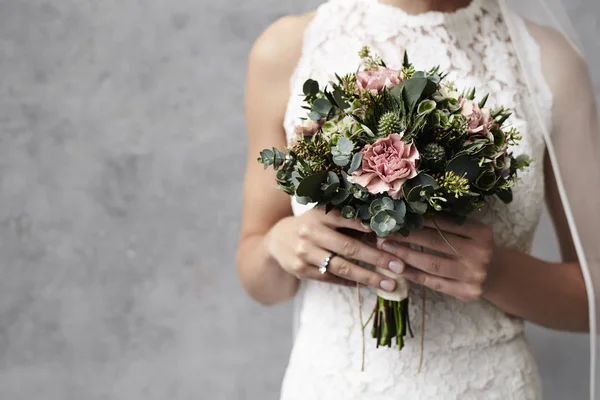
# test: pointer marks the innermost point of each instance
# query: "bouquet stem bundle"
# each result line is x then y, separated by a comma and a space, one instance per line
391, 321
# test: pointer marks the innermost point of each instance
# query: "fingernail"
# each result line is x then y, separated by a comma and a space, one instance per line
396, 267
389, 247
388, 286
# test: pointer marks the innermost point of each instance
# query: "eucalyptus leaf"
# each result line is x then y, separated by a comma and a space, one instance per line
310, 87
345, 145
344, 181
322, 106
363, 212
416, 89
315, 116
388, 203
356, 162
349, 212
424, 180
400, 208
464, 166
330, 189
303, 200
418, 207
332, 177
341, 160
311, 186
340, 196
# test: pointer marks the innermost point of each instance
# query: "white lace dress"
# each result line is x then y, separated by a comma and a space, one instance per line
472, 351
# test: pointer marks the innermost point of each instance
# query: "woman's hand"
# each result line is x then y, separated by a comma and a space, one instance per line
464, 262
300, 243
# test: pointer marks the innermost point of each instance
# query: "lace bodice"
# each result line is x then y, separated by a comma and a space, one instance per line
472, 351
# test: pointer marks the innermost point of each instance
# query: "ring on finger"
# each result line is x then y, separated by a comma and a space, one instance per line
325, 263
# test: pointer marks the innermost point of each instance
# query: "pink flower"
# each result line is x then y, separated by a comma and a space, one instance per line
375, 80
479, 120
386, 165
308, 127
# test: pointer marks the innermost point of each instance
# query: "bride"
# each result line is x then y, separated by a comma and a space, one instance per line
474, 305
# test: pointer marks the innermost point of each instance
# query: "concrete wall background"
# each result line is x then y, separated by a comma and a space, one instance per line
117, 232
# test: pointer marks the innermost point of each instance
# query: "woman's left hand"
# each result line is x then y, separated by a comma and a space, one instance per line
464, 265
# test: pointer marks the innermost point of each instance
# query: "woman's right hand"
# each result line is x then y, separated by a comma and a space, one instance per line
300, 243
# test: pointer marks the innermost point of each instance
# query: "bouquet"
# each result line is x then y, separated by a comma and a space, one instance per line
393, 147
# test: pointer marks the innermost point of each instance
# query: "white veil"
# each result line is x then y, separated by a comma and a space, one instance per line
572, 140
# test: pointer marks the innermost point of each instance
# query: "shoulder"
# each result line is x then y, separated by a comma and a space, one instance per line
278, 48
559, 57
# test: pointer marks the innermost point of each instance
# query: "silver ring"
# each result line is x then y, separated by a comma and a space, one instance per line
325, 263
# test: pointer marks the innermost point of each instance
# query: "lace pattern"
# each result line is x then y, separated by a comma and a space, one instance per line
472, 351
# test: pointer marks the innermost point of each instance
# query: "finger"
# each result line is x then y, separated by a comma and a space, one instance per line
344, 269
334, 219
355, 249
445, 224
463, 291
315, 275
449, 244
446, 267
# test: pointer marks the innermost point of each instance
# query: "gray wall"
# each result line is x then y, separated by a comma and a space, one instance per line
121, 156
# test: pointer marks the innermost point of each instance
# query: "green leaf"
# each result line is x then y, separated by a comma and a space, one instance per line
311, 186
414, 194
310, 87
396, 216
322, 106
340, 196
415, 221
464, 166
388, 203
418, 207
426, 107
383, 224
505, 195
416, 89
356, 162
266, 158
329, 190
381, 204
521, 162
400, 208
278, 158
349, 212
341, 160
332, 178
345, 183
486, 180
405, 62
302, 200
344, 145
363, 212
484, 100
338, 96
424, 180
315, 116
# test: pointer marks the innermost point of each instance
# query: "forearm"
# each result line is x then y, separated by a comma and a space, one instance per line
549, 294
262, 277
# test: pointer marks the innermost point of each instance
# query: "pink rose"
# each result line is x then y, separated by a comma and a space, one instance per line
386, 165
375, 80
479, 120
308, 127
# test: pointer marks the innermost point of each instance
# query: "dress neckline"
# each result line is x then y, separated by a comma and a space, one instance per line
469, 11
